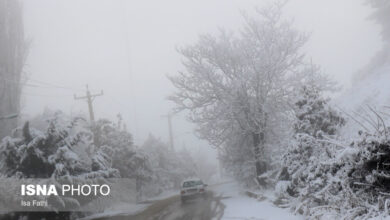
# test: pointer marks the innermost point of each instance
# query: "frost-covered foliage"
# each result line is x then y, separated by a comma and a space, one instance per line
368, 174
53, 153
124, 155
169, 168
112, 134
315, 117
316, 123
59, 153
325, 178
351, 184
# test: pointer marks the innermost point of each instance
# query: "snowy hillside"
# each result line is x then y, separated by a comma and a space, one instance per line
370, 86
370, 89
373, 90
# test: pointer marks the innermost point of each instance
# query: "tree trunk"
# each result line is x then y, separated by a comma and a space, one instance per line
258, 144
138, 188
12, 58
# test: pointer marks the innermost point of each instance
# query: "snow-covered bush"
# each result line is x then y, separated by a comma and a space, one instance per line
352, 184
315, 117
368, 174
59, 153
316, 121
305, 161
331, 179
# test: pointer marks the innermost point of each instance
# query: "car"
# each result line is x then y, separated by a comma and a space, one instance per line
191, 189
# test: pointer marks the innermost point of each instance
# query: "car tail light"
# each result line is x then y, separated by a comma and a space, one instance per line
201, 190
182, 192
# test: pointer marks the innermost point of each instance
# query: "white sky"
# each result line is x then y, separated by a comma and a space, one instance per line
126, 48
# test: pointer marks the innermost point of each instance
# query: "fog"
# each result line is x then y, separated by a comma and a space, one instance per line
127, 48
202, 109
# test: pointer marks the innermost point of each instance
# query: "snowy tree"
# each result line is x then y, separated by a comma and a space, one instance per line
236, 84
306, 175
125, 157
168, 167
315, 121
112, 134
315, 117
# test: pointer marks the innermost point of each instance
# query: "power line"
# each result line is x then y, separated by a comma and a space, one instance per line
22, 84
43, 95
44, 85
50, 84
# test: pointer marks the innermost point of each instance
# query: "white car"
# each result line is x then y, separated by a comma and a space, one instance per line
191, 189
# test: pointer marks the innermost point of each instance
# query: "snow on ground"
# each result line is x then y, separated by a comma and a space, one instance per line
240, 206
163, 195
125, 209
118, 210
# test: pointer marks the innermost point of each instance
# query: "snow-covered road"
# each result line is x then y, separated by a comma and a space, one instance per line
224, 202
240, 206
172, 209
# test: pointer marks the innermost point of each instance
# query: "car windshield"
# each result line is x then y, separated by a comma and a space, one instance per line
192, 183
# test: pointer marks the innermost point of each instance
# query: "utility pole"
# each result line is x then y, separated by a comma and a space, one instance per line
89, 99
169, 117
